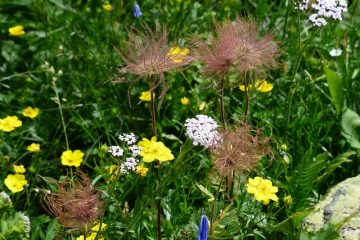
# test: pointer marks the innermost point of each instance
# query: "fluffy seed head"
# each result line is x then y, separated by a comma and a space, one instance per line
236, 46
75, 205
239, 150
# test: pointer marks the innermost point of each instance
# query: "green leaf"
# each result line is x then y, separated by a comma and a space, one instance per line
350, 124
289, 225
336, 87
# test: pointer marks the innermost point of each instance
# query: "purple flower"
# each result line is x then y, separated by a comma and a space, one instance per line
203, 228
137, 11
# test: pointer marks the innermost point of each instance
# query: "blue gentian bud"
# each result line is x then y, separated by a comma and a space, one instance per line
203, 227
137, 11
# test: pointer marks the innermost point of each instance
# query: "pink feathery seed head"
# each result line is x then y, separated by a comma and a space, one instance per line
235, 46
76, 204
239, 150
147, 54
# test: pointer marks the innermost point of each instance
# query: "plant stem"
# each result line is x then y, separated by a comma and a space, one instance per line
246, 98
293, 80
61, 115
153, 112
222, 108
153, 125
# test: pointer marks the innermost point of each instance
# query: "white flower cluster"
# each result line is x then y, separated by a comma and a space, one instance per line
26, 222
128, 162
5, 200
202, 130
324, 9
129, 165
128, 138
116, 151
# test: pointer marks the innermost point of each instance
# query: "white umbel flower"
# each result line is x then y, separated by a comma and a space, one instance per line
129, 165
116, 151
335, 52
26, 223
128, 138
323, 10
202, 130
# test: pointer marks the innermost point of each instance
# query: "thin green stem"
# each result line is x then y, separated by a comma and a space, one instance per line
222, 108
153, 111
293, 79
62, 116
246, 98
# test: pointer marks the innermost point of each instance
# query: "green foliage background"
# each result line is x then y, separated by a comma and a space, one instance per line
308, 112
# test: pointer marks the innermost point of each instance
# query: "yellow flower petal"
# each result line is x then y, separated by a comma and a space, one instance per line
9, 123
31, 112
15, 183
72, 158
34, 147
19, 169
18, 30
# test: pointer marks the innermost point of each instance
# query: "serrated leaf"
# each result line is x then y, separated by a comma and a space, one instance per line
336, 87
349, 125
206, 192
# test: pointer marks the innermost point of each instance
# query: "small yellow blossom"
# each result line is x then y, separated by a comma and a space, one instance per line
288, 200
114, 170
177, 54
72, 158
107, 7
93, 234
18, 30
141, 170
146, 96
15, 182
96, 228
9, 123
262, 190
31, 112
202, 106
260, 85
185, 101
152, 150
19, 169
34, 147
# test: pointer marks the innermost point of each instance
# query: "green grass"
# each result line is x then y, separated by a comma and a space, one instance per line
78, 38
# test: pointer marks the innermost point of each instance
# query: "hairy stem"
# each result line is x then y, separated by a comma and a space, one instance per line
222, 108
153, 112
246, 98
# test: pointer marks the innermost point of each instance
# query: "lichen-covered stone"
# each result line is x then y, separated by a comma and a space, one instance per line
342, 202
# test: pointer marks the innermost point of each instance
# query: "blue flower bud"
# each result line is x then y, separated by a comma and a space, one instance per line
203, 228
137, 11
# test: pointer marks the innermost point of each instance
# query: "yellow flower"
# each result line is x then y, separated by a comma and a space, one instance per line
202, 106
107, 7
93, 234
18, 30
31, 112
15, 182
141, 170
153, 150
262, 190
34, 147
146, 96
72, 158
185, 101
96, 228
177, 54
19, 169
260, 85
114, 170
10, 123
